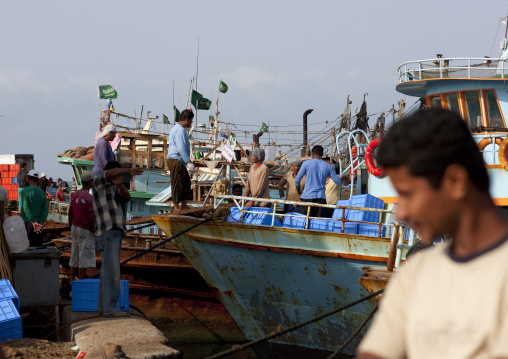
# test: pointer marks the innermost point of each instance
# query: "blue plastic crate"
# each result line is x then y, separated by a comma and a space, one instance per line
85, 293
337, 213
263, 219
349, 227
235, 215
371, 230
8, 292
367, 201
14, 180
297, 222
321, 224
10, 321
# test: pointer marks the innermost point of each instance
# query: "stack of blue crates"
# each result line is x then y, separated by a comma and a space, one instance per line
10, 320
297, 222
367, 201
260, 219
85, 294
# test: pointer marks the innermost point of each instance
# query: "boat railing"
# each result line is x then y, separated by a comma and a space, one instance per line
58, 207
240, 202
356, 161
453, 67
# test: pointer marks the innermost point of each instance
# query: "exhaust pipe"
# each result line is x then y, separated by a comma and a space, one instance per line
305, 149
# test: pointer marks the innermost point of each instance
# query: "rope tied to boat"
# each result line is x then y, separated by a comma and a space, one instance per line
280, 331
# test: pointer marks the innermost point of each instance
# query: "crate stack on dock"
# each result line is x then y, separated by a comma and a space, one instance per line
10, 320
9, 180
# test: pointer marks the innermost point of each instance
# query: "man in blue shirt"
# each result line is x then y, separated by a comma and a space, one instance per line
316, 171
177, 159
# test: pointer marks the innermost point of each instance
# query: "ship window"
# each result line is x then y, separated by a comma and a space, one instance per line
435, 101
473, 108
494, 115
453, 102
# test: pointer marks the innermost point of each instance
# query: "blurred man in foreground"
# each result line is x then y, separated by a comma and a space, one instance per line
449, 301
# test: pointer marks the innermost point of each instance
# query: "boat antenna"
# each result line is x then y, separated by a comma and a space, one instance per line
197, 70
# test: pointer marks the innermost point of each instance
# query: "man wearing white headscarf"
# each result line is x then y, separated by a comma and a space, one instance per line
103, 151
257, 183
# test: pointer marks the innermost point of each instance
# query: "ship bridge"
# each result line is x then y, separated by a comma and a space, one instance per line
473, 87
477, 90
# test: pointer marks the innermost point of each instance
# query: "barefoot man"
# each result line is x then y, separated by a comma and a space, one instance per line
177, 159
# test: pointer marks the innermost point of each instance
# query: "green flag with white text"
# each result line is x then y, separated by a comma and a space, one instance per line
107, 91
199, 102
263, 128
223, 87
194, 98
165, 119
204, 104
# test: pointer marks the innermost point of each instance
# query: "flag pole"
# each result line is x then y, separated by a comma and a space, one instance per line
216, 116
197, 71
99, 99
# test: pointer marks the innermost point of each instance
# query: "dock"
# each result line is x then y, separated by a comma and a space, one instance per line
100, 337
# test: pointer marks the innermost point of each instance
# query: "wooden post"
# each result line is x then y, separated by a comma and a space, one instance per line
149, 160
165, 152
133, 152
393, 248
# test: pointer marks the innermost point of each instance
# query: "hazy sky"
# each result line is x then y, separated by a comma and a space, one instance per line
279, 58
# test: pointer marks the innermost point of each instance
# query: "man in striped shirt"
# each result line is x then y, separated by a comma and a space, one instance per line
109, 194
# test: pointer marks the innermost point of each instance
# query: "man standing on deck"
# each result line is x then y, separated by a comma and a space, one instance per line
316, 171
177, 159
450, 301
22, 182
35, 209
109, 194
81, 220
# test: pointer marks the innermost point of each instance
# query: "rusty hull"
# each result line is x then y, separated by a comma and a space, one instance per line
270, 277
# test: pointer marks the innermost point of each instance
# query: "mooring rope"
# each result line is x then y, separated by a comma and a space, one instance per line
281, 331
355, 333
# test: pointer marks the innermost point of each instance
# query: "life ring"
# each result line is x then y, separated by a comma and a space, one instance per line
503, 159
487, 141
369, 161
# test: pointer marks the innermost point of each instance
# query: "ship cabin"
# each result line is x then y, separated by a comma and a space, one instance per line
475, 88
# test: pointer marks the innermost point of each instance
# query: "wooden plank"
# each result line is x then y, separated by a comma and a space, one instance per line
143, 136
165, 153
140, 220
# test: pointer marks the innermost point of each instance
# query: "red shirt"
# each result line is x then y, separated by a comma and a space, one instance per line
81, 212
60, 196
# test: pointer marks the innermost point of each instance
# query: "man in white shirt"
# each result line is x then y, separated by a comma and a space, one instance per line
450, 301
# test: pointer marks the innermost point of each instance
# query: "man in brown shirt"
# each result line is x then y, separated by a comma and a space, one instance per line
257, 183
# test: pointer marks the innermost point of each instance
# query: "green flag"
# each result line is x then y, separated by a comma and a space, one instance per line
204, 104
165, 119
263, 128
223, 87
194, 98
177, 114
199, 102
107, 91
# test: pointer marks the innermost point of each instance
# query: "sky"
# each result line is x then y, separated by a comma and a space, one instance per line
279, 58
